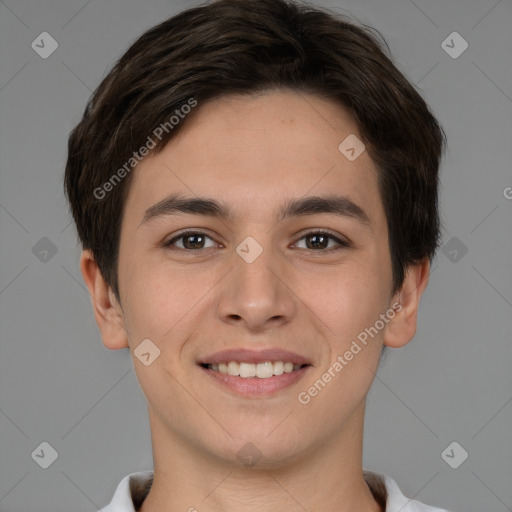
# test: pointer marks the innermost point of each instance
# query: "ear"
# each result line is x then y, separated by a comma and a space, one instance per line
107, 310
402, 327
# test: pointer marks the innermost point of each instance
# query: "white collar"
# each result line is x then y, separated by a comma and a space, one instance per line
133, 486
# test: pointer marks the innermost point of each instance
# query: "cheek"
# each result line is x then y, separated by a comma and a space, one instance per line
349, 298
349, 303
168, 306
155, 304
159, 308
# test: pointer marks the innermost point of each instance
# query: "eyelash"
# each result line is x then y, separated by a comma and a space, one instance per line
342, 244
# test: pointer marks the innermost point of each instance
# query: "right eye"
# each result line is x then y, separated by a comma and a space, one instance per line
193, 241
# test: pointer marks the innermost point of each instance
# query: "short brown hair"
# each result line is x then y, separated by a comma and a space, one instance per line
243, 47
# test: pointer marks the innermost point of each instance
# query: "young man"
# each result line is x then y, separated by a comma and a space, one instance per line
254, 186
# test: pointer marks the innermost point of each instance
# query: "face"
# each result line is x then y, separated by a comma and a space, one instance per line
301, 283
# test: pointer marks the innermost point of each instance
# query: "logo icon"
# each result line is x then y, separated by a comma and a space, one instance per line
249, 249
454, 249
249, 455
454, 45
44, 45
351, 147
44, 249
45, 455
146, 352
454, 455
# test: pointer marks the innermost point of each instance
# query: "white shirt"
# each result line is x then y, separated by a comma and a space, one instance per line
133, 488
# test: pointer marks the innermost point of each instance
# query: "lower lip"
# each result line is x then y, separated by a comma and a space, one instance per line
254, 386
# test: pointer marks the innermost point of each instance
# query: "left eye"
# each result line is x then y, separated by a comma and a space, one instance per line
320, 240
194, 240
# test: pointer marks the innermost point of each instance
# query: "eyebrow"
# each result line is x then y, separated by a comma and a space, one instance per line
311, 205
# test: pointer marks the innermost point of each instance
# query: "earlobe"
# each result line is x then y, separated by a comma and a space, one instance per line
107, 310
402, 328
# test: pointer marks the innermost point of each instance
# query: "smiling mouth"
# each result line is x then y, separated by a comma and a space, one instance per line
262, 370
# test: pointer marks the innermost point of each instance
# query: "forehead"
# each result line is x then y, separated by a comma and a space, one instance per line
252, 151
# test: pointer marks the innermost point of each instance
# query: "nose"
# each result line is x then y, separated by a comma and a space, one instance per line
256, 293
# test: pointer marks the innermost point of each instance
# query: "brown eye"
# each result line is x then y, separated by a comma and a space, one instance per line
319, 241
191, 240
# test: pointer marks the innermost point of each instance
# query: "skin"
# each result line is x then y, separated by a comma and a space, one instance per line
254, 153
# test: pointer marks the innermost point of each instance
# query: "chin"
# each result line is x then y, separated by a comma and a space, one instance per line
259, 450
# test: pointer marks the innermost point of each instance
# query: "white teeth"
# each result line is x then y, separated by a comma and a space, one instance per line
260, 370
264, 370
233, 368
278, 368
247, 369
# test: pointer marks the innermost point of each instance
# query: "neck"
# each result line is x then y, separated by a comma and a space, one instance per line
329, 477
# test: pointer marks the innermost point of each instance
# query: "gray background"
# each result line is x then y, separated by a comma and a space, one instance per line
59, 384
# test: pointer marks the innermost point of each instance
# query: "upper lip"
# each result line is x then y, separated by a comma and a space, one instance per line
252, 356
